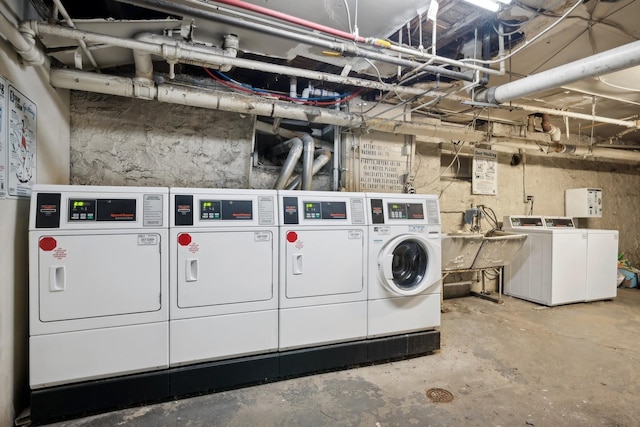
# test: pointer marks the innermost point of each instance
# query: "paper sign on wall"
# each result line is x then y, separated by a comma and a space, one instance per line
21, 144
485, 172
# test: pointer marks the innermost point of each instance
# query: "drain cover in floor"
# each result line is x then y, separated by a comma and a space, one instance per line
439, 395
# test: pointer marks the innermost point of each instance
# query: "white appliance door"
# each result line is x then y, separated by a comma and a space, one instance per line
225, 267
602, 265
325, 262
407, 265
569, 265
85, 276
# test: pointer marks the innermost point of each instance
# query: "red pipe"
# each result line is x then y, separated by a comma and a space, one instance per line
292, 19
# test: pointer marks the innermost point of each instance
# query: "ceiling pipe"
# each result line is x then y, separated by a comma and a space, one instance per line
346, 49
609, 61
294, 20
550, 129
433, 132
23, 42
212, 60
144, 64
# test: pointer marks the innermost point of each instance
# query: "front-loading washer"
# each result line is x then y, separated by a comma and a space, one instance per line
323, 293
224, 274
98, 283
405, 277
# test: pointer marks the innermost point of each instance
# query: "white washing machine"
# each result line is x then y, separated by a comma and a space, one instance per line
405, 263
602, 264
323, 293
98, 282
551, 267
224, 274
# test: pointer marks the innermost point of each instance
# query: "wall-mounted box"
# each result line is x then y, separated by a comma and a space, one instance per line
583, 202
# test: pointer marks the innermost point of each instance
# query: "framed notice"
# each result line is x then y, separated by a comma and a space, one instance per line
385, 162
3, 137
21, 146
484, 179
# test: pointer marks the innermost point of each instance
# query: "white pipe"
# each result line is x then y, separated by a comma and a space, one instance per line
211, 59
609, 61
144, 64
347, 49
201, 58
197, 97
23, 42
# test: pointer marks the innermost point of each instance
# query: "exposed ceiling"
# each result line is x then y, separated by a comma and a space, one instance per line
536, 38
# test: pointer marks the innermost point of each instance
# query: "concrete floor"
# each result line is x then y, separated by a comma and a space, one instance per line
516, 364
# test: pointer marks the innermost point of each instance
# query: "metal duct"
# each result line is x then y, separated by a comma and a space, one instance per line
323, 157
307, 161
295, 150
617, 59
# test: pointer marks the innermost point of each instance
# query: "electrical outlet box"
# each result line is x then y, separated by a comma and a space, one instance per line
528, 198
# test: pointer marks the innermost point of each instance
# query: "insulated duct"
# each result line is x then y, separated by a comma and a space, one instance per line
617, 59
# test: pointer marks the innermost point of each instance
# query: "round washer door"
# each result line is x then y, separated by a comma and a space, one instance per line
406, 265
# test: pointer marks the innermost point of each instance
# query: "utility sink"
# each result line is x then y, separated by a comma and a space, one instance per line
470, 251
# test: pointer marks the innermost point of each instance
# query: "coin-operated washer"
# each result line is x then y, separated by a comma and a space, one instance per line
405, 277
551, 267
98, 297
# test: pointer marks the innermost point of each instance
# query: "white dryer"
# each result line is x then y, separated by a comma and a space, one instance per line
323, 293
551, 267
405, 261
224, 274
98, 282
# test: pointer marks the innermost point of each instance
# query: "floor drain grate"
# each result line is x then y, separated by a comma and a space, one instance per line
439, 395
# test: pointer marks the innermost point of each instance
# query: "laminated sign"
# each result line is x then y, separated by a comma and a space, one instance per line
484, 178
21, 143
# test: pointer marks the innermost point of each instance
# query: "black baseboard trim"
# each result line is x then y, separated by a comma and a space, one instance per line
91, 397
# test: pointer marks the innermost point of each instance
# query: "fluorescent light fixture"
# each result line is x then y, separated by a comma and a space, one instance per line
486, 4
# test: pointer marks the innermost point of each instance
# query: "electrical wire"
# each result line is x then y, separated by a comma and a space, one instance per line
346, 6
318, 101
491, 217
528, 42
